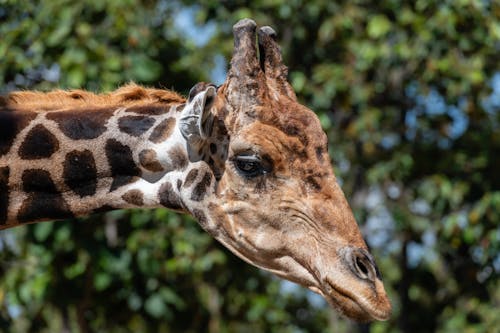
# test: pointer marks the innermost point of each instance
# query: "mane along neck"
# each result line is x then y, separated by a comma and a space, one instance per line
128, 95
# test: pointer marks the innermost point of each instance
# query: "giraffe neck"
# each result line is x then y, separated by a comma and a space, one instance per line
57, 164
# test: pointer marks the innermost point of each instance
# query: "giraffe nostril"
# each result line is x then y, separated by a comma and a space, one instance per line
363, 267
361, 264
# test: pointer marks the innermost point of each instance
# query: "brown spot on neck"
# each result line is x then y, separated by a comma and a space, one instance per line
39, 143
200, 189
11, 123
152, 110
178, 157
135, 125
80, 172
44, 200
163, 130
149, 160
191, 176
123, 168
134, 197
36, 180
82, 124
168, 197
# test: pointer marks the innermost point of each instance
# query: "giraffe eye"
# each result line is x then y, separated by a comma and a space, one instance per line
249, 166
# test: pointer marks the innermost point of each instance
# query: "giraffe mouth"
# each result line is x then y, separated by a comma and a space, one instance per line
351, 305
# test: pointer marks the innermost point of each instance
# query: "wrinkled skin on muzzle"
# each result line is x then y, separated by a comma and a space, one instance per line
275, 201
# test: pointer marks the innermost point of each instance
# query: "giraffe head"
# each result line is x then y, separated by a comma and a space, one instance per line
274, 200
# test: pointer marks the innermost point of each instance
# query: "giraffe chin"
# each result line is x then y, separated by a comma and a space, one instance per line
352, 306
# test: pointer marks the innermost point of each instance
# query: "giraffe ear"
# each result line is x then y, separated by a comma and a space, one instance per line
196, 121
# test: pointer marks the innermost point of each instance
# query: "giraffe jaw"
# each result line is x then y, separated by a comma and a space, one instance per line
353, 306
357, 293
359, 307
350, 299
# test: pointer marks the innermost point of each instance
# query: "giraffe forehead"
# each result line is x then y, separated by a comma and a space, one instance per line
266, 139
286, 116
287, 136
298, 121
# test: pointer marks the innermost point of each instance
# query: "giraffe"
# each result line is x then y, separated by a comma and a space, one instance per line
245, 159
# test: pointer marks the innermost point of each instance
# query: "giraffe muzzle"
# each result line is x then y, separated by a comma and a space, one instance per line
360, 293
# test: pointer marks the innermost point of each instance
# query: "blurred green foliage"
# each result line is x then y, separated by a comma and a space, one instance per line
409, 94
